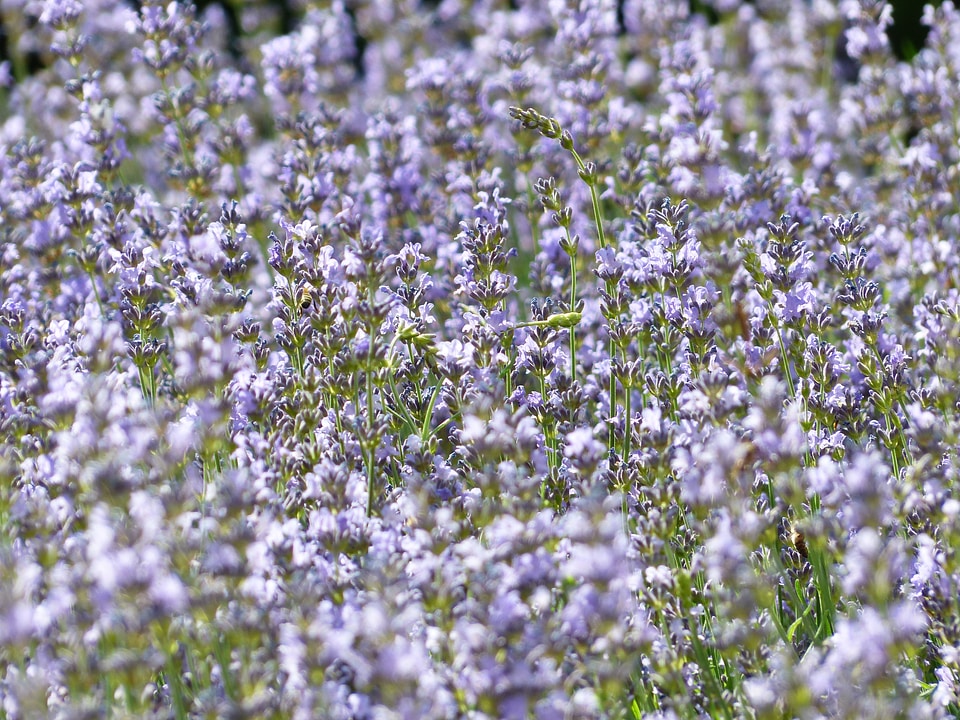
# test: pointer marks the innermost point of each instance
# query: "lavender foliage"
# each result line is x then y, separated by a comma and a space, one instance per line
569, 359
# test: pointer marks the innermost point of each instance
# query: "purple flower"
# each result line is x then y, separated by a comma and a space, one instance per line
798, 302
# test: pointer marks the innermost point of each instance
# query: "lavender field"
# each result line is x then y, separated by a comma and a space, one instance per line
554, 359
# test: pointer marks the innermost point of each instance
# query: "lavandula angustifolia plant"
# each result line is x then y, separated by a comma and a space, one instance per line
515, 59
412, 317
562, 216
483, 285
777, 270
686, 132
364, 268
316, 172
780, 273
308, 289
539, 355
650, 272
209, 553
170, 36
452, 107
881, 360
139, 303
872, 107
582, 69
100, 136
393, 178
550, 128
678, 261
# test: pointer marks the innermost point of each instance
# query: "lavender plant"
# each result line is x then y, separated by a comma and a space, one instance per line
578, 359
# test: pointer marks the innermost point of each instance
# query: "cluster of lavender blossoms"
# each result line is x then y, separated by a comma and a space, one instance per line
430, 360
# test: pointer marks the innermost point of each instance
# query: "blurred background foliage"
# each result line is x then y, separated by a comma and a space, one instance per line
906, 36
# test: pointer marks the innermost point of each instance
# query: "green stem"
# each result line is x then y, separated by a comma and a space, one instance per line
784, 360
401, 409
602, 242
573, 308
627, 410
175, 683
428, 413
96, 294
371, 450
594, 201
893, 421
